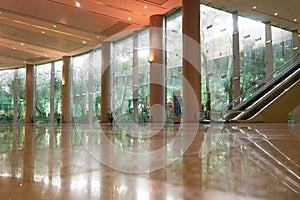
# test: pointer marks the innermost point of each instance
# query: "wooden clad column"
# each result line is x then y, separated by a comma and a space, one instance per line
30, 93
157, 69
106, 81
66, 90
191, 59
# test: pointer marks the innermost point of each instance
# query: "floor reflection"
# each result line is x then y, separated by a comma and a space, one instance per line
150, 161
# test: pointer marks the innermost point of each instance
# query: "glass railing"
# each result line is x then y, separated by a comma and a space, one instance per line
241, 103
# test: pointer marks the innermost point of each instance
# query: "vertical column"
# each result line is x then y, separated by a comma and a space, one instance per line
66, 88
157, 69
52, 87
135, 75
16, 96
269, 49
91, 88
191, 61
30, 93
236, 57
296, 45
106, 81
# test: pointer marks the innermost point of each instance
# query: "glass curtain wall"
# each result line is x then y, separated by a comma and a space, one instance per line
42, 97
12, 95
174, 60
20, 91
86, 86
143, 74
7, 96
282, 46
96, 67
216, 58
80, 66
252, 52
57, 90
123, 79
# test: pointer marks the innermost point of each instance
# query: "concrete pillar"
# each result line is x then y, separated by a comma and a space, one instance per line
66, 90
135, 76
30, 94
52, 89
269, 49
296, 43
157, 69
236, 57
191, 59
106, 81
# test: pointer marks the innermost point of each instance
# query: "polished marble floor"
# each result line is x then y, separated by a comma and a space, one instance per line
126, 161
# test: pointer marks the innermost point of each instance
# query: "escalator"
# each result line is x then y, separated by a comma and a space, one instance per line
270, 100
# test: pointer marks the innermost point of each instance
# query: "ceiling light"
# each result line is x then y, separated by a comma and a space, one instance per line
77, 4
254, 7
54, 26
129, 18
84, 42
46, 55
43, 32
145, 6
276, 13
22, 43
98, 36
295, 20
24, 61
58, 52
14, 48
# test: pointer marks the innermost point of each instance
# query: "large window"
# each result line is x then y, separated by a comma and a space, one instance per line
174, 60
252, 52
282, 46
123, 80
216, 57
86, 86
143, 74
7, 96
42, 102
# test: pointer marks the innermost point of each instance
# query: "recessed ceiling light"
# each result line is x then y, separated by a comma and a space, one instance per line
145, 6
295, 20
276, 13
54, 26
84, 42
254, 7
98, 36
14, 48
22, 43
58, 52
129, 18
43, 32
24, 61
46, 55
77, 4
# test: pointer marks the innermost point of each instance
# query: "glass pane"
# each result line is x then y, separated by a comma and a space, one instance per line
252, 52
174, 62
57, 90
123, 85
7, 96
282, 46
42, 104
80, 87
216, 58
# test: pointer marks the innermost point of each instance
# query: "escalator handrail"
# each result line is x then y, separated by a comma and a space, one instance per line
267, 81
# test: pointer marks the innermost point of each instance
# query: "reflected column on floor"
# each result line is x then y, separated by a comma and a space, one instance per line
65, 160
28, 156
